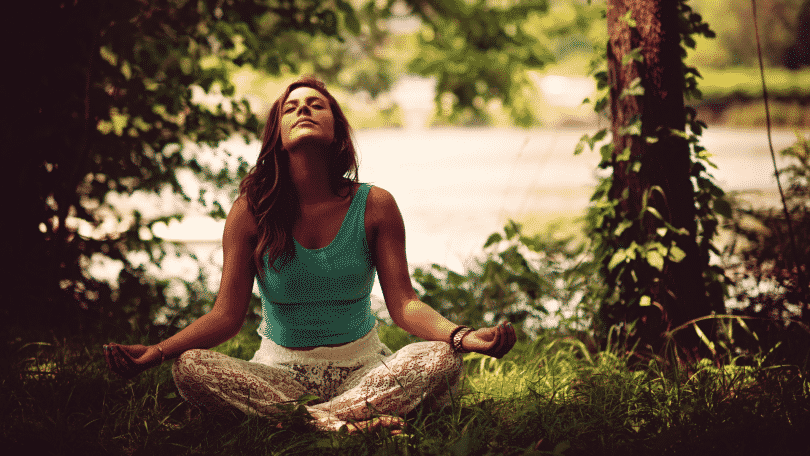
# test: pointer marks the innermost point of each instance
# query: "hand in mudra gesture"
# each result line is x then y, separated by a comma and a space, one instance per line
130, 360
495, 341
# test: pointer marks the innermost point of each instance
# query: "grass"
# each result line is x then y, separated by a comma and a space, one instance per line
747, 82
550, 396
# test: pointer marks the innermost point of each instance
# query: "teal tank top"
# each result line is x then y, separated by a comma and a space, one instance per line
322, 296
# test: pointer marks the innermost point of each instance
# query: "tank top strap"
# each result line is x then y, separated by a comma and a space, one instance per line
356, 217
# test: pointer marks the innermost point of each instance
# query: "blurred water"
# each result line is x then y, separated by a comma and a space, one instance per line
456, 186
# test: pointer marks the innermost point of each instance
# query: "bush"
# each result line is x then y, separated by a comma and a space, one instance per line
769, 258
524, 279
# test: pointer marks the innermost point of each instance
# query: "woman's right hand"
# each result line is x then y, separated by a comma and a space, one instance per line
130, 360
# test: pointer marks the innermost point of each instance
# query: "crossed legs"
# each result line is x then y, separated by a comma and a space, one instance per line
424, 371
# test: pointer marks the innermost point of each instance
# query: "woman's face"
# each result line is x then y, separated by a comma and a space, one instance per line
306, 119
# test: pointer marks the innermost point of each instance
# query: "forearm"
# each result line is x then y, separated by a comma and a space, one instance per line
424, 322
207, 331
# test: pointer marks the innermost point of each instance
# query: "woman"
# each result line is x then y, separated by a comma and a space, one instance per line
313, 238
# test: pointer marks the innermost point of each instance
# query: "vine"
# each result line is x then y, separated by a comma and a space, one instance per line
633, 248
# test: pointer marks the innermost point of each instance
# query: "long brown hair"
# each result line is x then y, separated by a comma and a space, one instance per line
268, 187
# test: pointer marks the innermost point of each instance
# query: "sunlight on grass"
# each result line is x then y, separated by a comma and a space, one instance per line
545, 395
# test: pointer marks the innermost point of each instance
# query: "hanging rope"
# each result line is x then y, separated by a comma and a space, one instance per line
788, 218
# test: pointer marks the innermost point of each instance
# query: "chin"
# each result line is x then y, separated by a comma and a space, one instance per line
308, 141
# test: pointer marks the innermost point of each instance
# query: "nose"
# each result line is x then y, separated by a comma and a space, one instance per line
303, 109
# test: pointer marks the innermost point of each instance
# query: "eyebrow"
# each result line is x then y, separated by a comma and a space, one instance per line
307, 100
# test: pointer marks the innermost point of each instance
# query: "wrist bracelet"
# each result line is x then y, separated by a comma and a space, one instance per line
456, 330
162, 355
457, 336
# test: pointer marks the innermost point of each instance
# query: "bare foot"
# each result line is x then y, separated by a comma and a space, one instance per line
393, 423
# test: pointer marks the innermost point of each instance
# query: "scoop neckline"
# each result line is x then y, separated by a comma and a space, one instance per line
340, 230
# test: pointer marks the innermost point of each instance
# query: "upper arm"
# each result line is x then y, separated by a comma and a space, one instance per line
388, 251
238, 271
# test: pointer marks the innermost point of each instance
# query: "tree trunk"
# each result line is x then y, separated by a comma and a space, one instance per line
678, 293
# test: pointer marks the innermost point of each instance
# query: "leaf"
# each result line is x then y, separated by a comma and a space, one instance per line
627, 18
601, 104
560, 448
624, 156
512, 228
655, 259
601, 81
619, 257
493, 238
607, 152
722, 207
623, 225
645, 301
349, 17
633, 55
589, 140
676, 254
306, 398
580, 146
633, 89
633, 128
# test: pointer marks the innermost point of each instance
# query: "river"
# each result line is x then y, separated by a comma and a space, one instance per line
455, 186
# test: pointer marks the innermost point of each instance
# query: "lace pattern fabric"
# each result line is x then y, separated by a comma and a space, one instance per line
354, 382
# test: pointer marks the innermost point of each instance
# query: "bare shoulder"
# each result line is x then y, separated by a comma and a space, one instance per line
381, 206
240, 224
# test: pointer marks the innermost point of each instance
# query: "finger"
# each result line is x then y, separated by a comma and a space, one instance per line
512, 337
122, 362
502, 338
492, 346
115, 361
486, 334
506, 339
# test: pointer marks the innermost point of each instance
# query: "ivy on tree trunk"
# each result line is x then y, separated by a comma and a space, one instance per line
653, 258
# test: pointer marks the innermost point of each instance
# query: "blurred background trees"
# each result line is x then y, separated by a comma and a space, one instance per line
109, 99
112, 98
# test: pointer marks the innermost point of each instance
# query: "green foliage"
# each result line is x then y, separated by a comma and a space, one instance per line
395, 337
114, 99
779, 25
518, 279
745, 83
479, 54
770, 270
634, 247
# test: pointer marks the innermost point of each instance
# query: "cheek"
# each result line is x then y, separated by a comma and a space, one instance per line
285, 127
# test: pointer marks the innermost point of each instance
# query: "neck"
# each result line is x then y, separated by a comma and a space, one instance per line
310, 177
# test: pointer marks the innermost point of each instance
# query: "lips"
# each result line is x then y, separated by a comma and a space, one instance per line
303, 121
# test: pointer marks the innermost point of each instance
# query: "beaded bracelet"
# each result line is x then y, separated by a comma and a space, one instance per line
457, 336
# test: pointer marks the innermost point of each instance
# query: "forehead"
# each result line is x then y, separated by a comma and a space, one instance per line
304, 93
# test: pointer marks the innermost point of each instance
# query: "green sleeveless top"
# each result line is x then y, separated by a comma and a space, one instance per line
322, 296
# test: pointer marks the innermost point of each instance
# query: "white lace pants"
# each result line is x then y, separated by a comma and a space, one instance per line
355, 381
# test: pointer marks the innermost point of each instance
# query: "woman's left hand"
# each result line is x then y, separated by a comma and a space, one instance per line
495, 341
130, 360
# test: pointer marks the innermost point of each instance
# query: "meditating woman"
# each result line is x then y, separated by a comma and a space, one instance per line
313, 238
